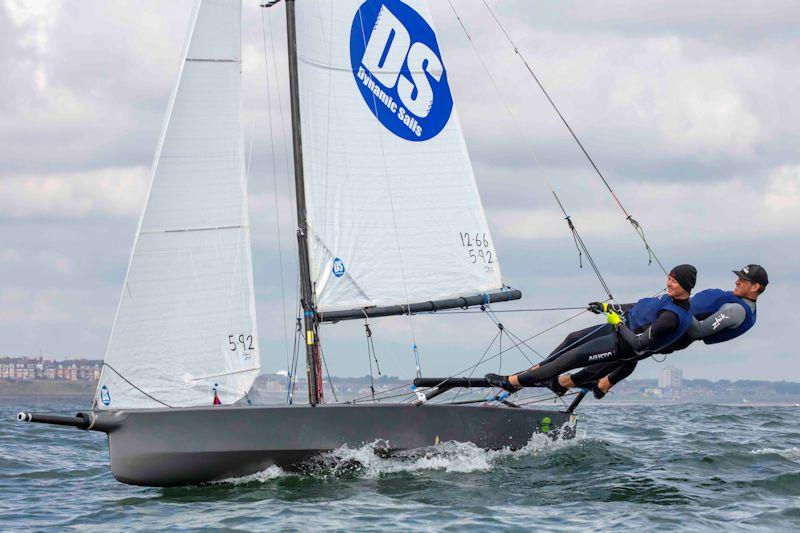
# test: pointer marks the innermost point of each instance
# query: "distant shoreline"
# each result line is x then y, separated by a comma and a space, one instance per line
47, 387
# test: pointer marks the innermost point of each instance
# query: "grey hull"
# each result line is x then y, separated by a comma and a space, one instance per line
169, 447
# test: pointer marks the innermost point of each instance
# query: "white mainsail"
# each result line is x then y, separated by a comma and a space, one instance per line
393, 210
186, 320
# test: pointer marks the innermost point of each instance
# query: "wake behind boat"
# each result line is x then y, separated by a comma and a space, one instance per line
389, 222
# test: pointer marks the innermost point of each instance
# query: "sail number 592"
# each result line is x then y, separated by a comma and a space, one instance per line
245, 342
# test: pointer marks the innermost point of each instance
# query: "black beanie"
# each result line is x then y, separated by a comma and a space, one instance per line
685, 275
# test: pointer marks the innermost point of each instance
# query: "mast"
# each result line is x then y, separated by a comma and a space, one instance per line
313, 366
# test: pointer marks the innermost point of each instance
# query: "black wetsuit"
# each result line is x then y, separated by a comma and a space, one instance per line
603, 350
727, 316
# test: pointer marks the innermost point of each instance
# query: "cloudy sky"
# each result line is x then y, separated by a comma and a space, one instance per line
689, 109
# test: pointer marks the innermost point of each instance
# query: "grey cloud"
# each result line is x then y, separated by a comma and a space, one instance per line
615, 69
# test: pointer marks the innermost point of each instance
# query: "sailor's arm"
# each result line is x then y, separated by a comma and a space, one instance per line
664, 324
730, 315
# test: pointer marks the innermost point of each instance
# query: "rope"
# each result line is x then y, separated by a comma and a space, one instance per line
542, 332
135, 387
534, 310
379, 134
368, 397
637, 227
291, 378
275, 193
370, 355
514, 338
327, 372
494, 339
576, 237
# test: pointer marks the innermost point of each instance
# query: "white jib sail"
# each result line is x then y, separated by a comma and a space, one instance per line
186, 320
394, 213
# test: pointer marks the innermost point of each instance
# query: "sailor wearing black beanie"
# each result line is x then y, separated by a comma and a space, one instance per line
635, 331
685, 275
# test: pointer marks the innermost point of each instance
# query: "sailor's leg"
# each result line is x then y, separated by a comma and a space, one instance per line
586, 376
602, 349
599, 378
618, 374
577, 338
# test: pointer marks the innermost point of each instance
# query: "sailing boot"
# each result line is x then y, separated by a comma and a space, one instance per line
597, 391
557, 388
496, 380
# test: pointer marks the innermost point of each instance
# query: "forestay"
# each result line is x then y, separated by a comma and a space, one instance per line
393, 210
186, 320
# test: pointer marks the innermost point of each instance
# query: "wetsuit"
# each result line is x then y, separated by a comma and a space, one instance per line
597, 347
706, 326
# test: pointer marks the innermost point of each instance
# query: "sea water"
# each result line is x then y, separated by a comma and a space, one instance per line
631, 467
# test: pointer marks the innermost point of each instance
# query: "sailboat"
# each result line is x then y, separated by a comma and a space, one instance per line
389, 223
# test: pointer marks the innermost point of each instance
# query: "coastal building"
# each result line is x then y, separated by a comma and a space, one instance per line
29, 368
670, 378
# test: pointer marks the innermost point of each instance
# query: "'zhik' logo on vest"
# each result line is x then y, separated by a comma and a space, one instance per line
399, 70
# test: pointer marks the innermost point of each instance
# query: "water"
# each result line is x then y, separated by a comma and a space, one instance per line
631, 467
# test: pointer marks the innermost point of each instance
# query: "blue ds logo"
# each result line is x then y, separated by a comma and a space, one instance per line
338, 268
105, 396
399, 70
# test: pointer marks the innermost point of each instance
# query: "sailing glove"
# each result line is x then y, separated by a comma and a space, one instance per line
614, 319
598, 307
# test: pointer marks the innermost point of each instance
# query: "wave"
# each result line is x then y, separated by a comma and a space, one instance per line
371, 461
786, 453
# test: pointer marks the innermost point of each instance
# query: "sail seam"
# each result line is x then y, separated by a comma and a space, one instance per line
213, 60
221, 374
187, 230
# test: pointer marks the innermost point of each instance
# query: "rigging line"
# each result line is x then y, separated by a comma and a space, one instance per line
391, 208
330, 381
525, 340
469, 311
512, 337
489, 347
365, 399
250, 154
369, 358
275, 192
567, 395
528, 142
517, 341
651, 254
292, 379
286, 137
403, 386
135, 387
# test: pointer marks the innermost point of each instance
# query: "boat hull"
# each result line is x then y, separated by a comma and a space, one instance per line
170, 447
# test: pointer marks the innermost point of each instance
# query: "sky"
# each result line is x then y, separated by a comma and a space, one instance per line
690, 110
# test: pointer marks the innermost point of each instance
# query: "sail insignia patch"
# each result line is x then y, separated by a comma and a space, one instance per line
399, 70
105, 396
338, 267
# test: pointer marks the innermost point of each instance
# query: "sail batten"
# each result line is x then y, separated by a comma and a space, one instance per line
394, 213
185, 328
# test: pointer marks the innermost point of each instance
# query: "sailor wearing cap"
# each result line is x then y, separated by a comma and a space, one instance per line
653, 324
718, 316
724, 315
